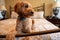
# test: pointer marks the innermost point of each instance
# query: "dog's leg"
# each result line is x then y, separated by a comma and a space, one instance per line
11, 36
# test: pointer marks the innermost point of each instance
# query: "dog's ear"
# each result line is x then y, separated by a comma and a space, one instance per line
15, 7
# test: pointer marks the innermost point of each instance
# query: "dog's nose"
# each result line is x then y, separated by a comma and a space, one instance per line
32, 12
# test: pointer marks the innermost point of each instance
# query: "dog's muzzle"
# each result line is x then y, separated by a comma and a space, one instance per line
31, 13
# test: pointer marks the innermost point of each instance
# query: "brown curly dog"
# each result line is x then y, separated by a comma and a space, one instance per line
24, 22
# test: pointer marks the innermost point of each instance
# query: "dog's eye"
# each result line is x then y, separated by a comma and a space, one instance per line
26, 6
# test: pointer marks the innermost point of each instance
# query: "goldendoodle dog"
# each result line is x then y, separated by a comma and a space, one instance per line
24, 22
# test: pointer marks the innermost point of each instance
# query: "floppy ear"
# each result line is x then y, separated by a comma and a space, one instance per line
15, 7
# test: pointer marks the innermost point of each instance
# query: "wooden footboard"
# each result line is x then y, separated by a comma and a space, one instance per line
35, 33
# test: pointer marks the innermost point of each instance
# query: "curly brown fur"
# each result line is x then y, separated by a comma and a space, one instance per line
11, 35
24, 10
24, 22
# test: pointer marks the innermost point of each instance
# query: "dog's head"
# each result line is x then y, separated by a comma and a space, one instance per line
24, 9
